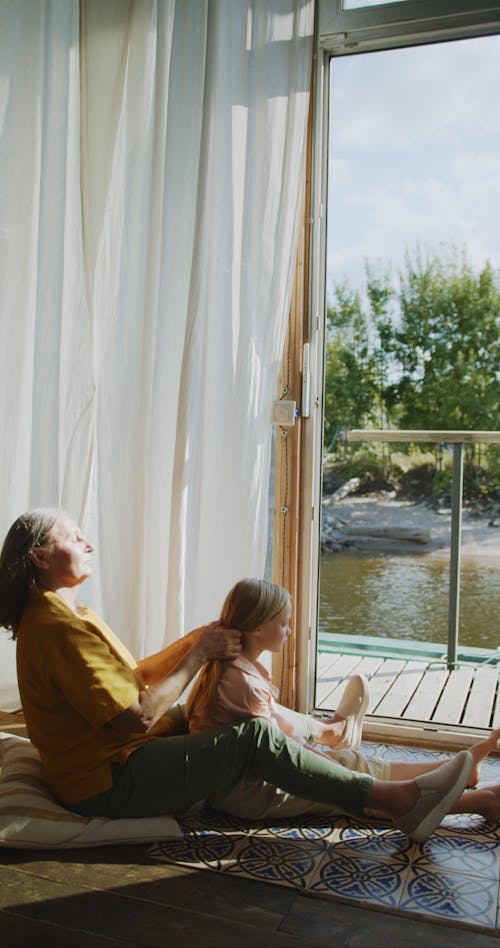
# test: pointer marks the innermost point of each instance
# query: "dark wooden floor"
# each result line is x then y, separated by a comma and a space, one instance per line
113, 897
116, 897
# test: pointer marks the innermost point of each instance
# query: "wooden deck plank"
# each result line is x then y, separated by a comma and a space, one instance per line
369, 666
333, 697
329, 665
496, 713
401, 690
129, 871
325, 661
382, 681
427, 694
339, 664
123, 914
417, 690
452, 702
334, 680
481, 697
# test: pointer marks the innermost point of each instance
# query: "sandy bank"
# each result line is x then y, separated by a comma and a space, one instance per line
478, 539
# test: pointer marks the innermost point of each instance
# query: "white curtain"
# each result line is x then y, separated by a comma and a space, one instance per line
46, 376
152, 157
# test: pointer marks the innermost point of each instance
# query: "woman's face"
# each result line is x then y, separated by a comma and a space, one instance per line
273, 634
67, 559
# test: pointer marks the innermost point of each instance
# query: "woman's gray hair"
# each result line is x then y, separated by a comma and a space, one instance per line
18, 576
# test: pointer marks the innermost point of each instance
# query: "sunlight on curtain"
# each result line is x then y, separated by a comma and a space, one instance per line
144, 331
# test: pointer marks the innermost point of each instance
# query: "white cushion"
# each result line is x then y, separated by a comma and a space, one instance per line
31, 817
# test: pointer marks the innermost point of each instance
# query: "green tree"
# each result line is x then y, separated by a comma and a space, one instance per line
446, 348
425, 355
351, 369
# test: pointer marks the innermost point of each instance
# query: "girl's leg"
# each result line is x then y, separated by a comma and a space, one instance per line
485, 801
405, 770
328, 731
344, 728
311, 729
304, 725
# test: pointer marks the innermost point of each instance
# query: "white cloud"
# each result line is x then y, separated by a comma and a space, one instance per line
415, 156
422, 94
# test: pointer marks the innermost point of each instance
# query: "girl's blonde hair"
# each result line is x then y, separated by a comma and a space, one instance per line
17, 572
248, 605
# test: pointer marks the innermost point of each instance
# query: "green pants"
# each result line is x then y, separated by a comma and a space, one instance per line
169, 774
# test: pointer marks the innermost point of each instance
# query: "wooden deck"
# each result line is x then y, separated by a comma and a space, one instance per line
420, 696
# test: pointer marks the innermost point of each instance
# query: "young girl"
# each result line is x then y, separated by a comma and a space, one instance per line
231, 691
234, 690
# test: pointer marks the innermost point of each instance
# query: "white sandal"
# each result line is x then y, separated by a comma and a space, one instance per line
352, 707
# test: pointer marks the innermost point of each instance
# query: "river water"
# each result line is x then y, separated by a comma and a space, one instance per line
406, 597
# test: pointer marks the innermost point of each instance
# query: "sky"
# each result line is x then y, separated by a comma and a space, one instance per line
414, 156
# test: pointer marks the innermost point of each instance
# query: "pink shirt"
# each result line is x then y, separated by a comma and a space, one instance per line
245, 690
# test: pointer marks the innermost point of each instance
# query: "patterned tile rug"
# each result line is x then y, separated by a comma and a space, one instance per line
454, 876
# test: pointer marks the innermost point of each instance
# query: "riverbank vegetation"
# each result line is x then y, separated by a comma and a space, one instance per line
421, 351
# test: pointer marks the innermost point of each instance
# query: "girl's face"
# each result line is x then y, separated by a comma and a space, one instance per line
274, 633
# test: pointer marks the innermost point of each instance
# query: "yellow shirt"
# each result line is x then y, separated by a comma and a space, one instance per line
74, 677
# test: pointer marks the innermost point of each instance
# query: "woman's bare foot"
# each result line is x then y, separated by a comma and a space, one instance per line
404, 770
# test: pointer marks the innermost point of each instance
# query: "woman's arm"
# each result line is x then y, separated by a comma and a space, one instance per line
169, 672
155, 667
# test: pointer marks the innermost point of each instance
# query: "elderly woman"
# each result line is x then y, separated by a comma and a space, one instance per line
99, 718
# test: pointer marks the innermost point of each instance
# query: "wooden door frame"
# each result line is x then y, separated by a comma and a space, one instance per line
292, 510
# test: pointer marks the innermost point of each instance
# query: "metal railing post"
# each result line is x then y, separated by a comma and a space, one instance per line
455, 543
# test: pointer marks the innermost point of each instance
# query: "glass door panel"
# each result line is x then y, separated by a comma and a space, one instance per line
412, 341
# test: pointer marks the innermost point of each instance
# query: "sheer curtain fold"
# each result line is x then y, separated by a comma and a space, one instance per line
252, 207
46, 381
148, 244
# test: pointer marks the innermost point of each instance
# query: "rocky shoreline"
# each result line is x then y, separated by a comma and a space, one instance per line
381, 522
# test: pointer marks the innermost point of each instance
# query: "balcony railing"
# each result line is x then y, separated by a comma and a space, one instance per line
457, 439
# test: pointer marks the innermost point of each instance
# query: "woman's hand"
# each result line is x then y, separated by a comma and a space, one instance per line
214, 642
163, 690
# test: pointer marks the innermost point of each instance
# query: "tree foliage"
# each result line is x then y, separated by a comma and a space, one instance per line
424, 354
352, 366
